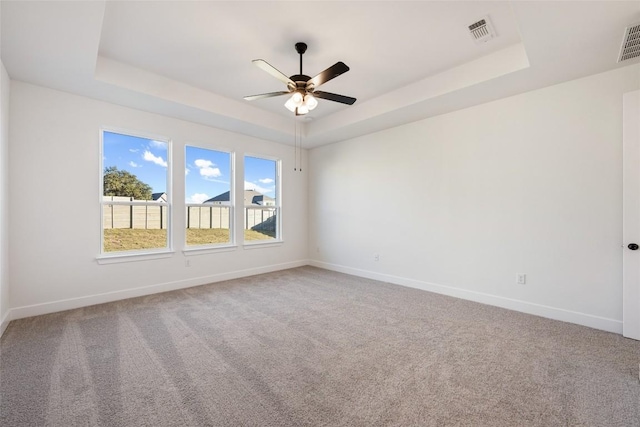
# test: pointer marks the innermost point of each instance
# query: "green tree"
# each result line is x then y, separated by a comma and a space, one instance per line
124, 183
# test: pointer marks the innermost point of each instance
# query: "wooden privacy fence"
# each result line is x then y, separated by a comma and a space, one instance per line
257, 215
153, 215
203, 216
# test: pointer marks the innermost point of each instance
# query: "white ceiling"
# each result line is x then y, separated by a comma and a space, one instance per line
408, 60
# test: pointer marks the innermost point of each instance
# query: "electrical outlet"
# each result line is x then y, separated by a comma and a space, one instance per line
187, 263
521, 278
376, 257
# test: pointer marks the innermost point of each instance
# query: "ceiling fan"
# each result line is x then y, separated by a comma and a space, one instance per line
301, 87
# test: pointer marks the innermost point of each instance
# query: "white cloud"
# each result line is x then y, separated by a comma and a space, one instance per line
149, 157
253, 186
197, 198
161, 145
202, 163
134, 164
134, 150
266, 181
207, 171
210, 172
186, 171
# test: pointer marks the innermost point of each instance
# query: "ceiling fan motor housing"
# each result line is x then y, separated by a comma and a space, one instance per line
300, 78
300, 81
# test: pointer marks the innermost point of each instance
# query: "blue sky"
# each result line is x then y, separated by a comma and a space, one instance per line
207, 172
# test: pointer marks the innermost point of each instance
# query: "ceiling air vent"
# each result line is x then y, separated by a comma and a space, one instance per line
630, 43
482, 31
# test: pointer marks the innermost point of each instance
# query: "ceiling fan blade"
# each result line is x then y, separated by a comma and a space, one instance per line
265, 95
330, 73
334, 97
264, 65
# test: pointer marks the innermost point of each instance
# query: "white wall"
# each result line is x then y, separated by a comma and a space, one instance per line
54, 140
4, 197
461, 203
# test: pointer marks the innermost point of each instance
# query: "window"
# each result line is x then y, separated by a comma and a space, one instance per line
261, 199
209, 197
135, 193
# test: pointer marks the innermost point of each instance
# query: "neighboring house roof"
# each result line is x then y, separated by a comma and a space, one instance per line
156, 196
251, 197
260, 200
224, 197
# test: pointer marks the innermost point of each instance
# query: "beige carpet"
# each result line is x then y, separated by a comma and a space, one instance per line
308, 347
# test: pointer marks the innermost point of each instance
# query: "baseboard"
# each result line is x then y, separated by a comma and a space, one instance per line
602, 323
605, 324
5, 322
69, 304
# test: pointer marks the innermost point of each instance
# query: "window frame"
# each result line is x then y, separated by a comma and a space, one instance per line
214, 247
135, 254
250, 244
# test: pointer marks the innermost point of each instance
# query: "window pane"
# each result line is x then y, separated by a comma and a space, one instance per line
135, 177
208, 196
260, 199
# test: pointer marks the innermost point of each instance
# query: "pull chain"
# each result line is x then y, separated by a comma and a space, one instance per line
297, 147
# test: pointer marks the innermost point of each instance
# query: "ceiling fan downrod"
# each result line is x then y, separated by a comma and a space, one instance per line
301, 48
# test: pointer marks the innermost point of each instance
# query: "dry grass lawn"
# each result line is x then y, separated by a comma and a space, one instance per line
126, 239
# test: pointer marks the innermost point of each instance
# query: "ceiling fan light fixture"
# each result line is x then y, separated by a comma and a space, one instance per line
296, 101
297, 98
291, 106
310, 101
303, 109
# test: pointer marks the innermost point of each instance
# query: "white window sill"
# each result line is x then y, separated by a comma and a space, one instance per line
202, 250
132, 257
262, 244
